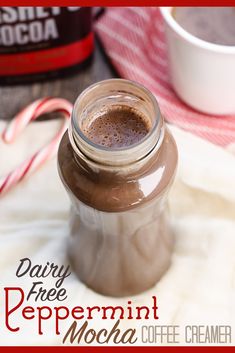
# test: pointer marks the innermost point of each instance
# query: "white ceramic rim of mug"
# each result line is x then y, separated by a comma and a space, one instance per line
223, 49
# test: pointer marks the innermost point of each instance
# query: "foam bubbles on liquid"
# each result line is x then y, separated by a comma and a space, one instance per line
120, 126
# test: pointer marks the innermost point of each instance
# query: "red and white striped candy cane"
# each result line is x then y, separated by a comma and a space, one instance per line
17, 125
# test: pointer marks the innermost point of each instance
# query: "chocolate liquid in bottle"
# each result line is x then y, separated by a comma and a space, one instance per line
117, 162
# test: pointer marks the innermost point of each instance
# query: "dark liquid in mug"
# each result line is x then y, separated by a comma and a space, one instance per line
212, 24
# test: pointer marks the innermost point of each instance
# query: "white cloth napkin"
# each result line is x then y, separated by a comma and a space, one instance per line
198, 289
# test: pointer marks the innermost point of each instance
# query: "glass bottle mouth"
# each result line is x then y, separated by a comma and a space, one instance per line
103, 95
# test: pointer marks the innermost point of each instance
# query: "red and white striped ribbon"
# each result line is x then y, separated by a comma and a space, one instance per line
135, 42
18, 124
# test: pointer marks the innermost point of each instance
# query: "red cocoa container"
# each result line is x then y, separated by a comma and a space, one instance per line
39, 43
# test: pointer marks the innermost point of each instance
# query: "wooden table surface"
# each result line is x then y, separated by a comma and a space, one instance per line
14, 98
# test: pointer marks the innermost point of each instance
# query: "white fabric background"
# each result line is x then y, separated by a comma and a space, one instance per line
199, 288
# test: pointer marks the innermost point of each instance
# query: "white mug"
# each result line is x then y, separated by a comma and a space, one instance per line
202, 73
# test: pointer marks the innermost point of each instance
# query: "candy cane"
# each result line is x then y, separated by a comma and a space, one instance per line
18, 124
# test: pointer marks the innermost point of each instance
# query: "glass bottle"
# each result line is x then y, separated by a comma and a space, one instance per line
120, 238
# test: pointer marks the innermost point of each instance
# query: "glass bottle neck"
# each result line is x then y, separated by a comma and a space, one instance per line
104, 95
